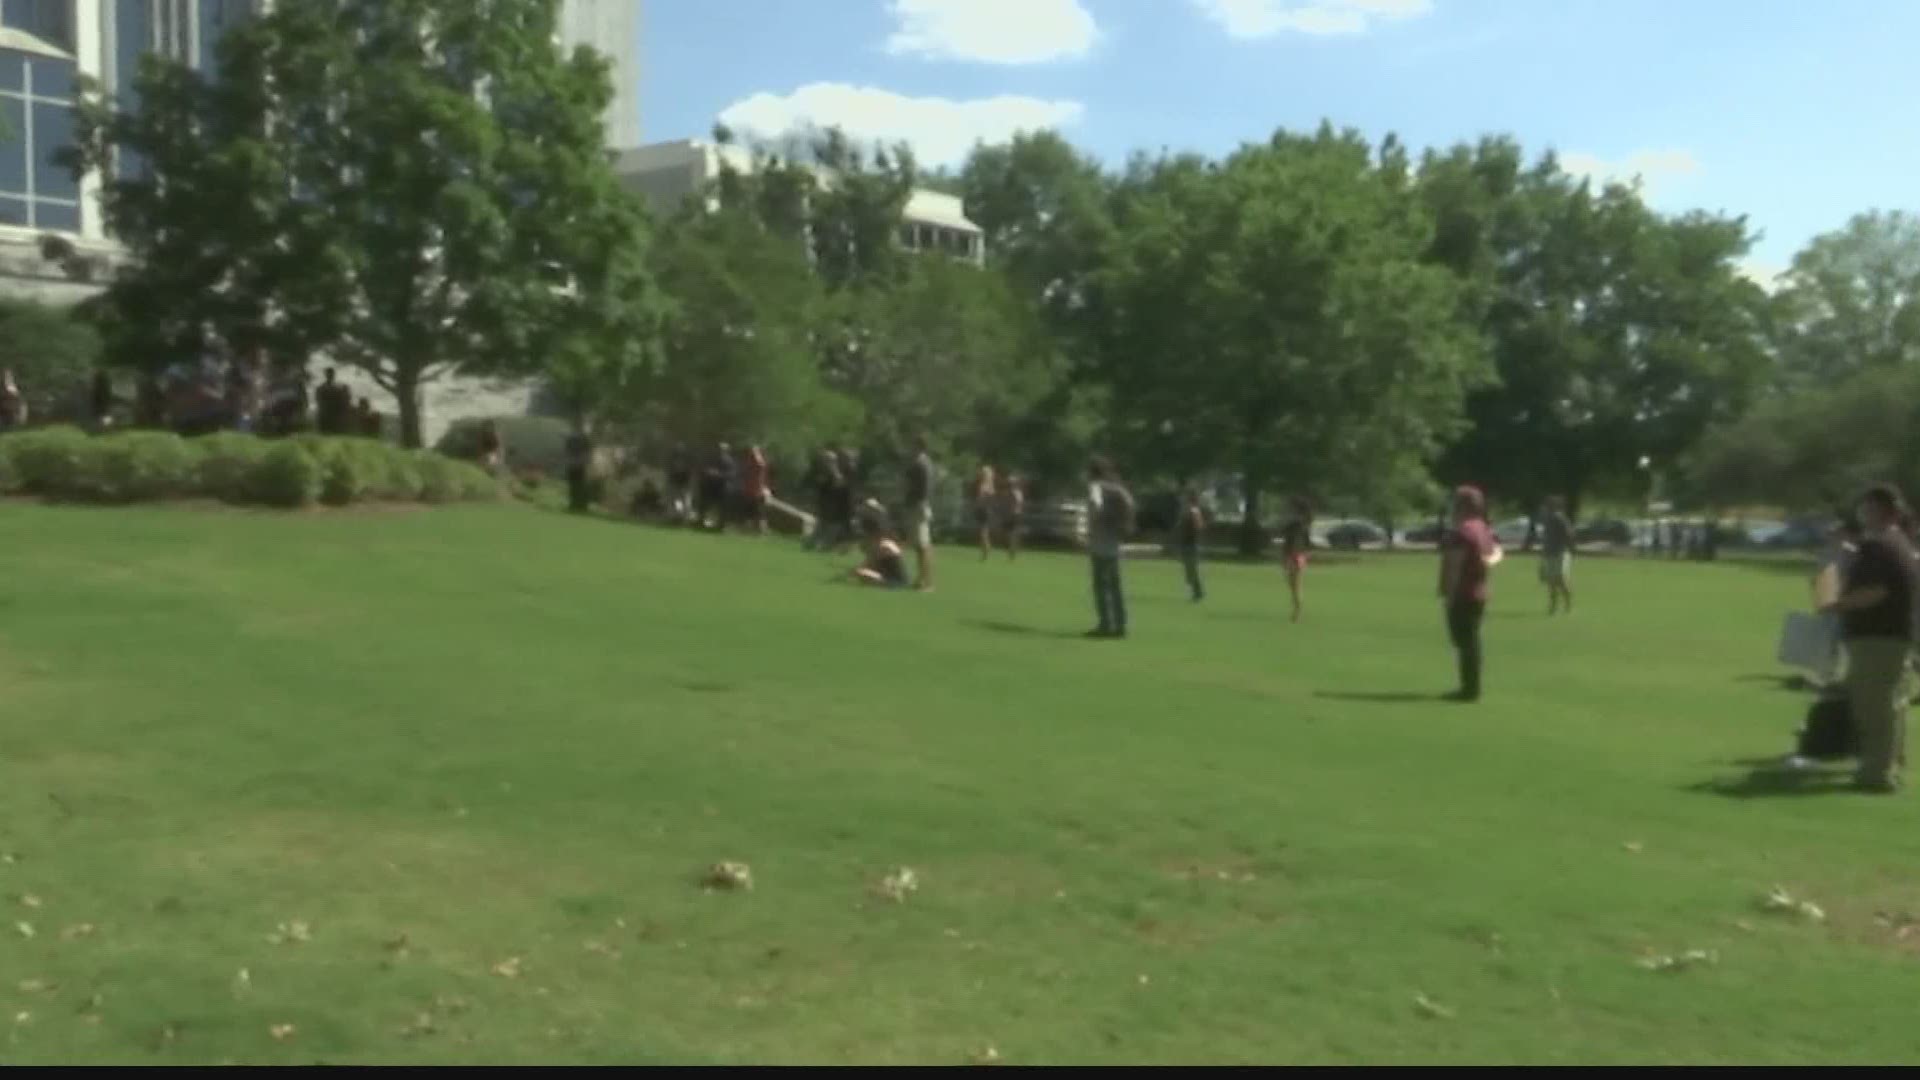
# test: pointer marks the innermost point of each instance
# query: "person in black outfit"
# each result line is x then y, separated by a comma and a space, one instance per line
579, 464
1876, 609
102, 400
333, 403
1187, 531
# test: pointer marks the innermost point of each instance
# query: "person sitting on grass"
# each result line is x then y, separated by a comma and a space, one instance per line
886, 563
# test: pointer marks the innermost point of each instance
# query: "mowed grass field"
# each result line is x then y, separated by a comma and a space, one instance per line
479, 759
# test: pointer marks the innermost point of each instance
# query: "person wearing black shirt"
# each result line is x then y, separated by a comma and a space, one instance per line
579, 466
334, 404
1186, 541
1876, 609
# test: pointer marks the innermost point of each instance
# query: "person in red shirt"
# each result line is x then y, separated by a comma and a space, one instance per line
1468, 555
755, 489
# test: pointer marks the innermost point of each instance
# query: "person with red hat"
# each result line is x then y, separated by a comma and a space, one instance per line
1469, 553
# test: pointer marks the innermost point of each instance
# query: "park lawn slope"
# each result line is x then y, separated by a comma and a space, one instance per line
482, 756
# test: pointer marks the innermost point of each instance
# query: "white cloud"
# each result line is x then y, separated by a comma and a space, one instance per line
940, 131
1650, 168
992, 31
1265, 18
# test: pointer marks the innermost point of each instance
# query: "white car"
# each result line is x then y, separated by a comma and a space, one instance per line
1511, 534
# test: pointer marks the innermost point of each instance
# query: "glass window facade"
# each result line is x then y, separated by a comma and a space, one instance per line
36, 123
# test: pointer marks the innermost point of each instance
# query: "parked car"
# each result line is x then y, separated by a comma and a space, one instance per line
1429, 533
1605, 531
1353, 535
1512, 534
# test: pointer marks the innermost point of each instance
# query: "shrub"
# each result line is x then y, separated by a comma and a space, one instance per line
286, 476
227, 464
140, 465
50, 462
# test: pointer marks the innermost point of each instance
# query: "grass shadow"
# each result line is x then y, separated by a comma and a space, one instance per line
1775, 781
1791, 683
1017, 630
1382, 698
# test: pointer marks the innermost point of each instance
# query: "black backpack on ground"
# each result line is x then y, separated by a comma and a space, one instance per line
1828, 734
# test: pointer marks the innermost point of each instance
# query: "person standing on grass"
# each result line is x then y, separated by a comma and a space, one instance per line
920, 512
680, 484
1188, 529
579, 469
1876, 609
1556, 557
1296, 540
755, 489
838, 505
984, 494
1011, 509
1468, 555
13, 404
1110, 521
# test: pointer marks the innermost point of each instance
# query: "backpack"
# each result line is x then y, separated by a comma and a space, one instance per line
1829, 733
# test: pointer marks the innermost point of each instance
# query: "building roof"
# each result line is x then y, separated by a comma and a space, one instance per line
939, 208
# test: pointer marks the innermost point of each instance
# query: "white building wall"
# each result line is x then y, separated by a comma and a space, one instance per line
611, 27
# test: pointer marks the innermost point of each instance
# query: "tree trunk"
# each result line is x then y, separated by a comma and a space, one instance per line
406, 394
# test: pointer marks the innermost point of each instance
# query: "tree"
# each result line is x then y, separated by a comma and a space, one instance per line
1851, 300
52, 354
1816, 448
1275, 314
413, 187
1617, 335
738, 359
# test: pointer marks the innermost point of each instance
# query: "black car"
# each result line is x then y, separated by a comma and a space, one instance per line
1605, 531
1354, 535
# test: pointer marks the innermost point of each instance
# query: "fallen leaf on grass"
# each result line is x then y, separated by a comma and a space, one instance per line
508, 968
291, 933
9, 858
1431, 1009
28, 901
398, 946
1781, 902
1633, 847
1692, 958
989, 1055
78, 931
37, 986
423, 1024
451, 1006
282, 1032
601, 948
1144, 980
729, 877
24, 929
93, 1003
899, 885
23, 1017
242, 981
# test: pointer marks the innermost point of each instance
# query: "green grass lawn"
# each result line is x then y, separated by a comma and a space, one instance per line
485, 755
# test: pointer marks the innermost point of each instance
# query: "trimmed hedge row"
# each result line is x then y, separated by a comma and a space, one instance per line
66, 463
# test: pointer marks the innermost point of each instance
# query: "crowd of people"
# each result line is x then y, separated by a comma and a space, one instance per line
201, 398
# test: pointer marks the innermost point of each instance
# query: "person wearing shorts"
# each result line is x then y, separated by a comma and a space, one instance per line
919, 516
984, 496
1556, 557
1295, 541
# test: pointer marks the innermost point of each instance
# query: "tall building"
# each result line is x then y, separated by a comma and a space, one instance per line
613, 28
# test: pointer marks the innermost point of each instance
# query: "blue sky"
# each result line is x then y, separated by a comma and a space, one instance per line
1794, 113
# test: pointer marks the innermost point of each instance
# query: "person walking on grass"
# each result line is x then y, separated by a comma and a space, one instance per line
1110, 521
1296, 540
1556, 557
1011, 508
1468, 555
1876, 609
919, 508
984, 495
579, 469
1187, 532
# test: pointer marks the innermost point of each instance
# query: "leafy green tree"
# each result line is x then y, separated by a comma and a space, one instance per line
738, 359
1275, 314
411, 187
1617, 335
52, 354
1851, 300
